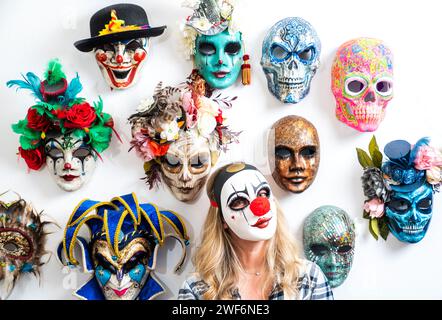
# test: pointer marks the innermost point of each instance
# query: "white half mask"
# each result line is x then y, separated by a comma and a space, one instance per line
186, 166
70, 161
248, 206
121, 62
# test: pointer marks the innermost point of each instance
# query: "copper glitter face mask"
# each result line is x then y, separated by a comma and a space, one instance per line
294, 153
22, 239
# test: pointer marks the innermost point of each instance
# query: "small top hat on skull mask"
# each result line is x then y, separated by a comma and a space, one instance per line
400, 190
131, 23
294, 153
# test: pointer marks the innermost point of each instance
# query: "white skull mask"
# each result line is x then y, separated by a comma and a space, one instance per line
69, 160
186, 165
121, 62
290, 58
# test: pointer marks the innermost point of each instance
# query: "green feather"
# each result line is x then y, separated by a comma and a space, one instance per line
54, 72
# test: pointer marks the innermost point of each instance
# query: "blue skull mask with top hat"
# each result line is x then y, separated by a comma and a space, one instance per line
400, 190
121, 253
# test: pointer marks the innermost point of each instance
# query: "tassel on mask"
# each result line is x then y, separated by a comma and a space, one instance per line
245, 68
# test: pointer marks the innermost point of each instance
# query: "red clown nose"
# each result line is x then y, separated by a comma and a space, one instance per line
260, 206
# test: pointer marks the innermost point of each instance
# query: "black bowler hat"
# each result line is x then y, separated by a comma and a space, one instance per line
118, 22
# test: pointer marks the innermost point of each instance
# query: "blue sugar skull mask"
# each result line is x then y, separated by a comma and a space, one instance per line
409, 212
290, 57
329, 241
400, 190
218, 58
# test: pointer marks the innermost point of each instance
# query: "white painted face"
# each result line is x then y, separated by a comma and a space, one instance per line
70, 161
248, 206
121, 62
186, 166
121, 278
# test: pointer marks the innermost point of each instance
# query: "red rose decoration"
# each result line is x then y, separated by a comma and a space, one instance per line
80, 116
219, 118
158, 150
37, 122
34, 158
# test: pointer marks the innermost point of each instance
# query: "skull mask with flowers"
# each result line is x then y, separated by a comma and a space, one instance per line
400, 191
179, 134
362, 83
290, 57
62, 130
120, 44
22, 241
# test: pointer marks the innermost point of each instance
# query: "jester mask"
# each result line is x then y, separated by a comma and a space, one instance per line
121, 252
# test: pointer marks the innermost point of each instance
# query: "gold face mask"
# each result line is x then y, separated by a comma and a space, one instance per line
294, 153
22, 239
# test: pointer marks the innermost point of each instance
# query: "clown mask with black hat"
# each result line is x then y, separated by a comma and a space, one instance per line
120, 36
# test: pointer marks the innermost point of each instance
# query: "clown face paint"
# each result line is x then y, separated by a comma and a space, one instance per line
70, 161
362, 83
186, 166
218, 58
295, 152
290, 58
121, 278
248, 206
329, 241
409, 213
121, 62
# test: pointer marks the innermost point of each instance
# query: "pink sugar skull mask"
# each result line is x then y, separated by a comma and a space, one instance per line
362, 83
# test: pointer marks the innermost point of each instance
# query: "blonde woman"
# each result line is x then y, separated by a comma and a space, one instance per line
246, 250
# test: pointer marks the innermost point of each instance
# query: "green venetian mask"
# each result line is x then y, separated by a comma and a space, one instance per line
329, 241
218, 58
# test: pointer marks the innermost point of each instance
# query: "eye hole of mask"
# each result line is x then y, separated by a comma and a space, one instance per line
206, 48
55, 153
264, 192
107, 47
11, 247
399, 205
133, 45
279, 52
319, 249
283, 153
306, 55
239, 203
344, 249
425, 205
308, 152
172, 161
138, 258
232, 48
15, 245
355, 86
81, 153
199, 161
101, 261
384, 87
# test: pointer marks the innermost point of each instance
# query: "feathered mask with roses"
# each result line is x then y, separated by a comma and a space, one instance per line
58, 110
171, 112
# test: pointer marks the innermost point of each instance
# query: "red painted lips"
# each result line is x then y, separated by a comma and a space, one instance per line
262, 223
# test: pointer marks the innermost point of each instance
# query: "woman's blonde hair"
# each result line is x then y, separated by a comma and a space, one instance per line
217, 263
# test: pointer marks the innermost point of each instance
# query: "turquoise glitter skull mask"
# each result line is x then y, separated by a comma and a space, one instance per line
329, 241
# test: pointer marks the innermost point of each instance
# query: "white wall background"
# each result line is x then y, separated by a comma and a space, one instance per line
32, 32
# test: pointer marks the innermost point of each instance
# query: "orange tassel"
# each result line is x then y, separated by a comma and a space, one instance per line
246, 72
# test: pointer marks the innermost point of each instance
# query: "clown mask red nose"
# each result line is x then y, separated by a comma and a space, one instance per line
260, 206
